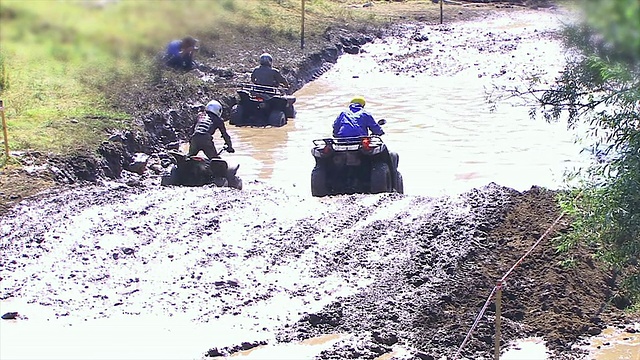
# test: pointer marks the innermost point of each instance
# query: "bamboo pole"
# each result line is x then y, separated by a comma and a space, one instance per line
302, 27
4, 131
498, 319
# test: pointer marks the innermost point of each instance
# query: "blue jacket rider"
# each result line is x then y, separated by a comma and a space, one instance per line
355, 121
179, 53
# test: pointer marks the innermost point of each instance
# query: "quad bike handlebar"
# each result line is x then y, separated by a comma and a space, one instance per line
225, 148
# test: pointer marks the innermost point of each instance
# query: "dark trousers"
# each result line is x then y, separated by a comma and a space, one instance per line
181, 62
203, 142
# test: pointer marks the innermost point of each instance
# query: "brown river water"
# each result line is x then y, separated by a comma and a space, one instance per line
438, 120
449, 138
449, 141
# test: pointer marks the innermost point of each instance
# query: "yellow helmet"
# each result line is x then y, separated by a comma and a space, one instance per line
358, 100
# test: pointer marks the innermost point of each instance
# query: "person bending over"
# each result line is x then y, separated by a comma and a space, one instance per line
208, 122
179, 53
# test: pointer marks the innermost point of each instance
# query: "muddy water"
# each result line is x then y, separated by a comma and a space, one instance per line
450, 139
438, 122
433, 94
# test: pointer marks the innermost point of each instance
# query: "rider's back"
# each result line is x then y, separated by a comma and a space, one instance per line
355, 121
266, 76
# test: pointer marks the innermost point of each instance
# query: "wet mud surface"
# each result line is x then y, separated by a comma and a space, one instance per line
386, 270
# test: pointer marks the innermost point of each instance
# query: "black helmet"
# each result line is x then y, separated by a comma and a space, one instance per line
266, 59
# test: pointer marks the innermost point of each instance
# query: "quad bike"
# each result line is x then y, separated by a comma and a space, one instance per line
261, 106
197, 171
354, 165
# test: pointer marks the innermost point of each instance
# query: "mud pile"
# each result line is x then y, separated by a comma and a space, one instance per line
386, 269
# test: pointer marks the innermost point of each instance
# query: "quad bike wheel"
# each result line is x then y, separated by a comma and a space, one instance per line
380, 178
395, 159
319, 182
171, 178
399, 184
236, 183
235, 117
290, 112
277, 118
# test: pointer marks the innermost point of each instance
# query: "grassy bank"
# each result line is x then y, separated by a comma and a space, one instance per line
59, 57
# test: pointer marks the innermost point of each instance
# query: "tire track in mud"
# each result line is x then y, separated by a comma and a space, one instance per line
362, 264
425, 272
126, 227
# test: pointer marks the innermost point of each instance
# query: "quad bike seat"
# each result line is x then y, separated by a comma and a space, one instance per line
218, 167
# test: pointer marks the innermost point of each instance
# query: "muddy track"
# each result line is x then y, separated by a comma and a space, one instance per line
381, 271
384, 269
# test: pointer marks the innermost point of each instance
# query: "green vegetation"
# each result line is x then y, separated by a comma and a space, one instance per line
59, 60
601, 88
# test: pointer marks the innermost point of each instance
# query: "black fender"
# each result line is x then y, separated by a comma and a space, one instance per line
218, 167
232, 170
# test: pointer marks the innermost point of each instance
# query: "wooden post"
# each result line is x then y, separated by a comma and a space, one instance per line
4, 131
441, 2
498, 318
302, 28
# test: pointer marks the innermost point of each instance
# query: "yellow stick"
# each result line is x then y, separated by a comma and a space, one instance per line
302, 27
498, 319
4, 131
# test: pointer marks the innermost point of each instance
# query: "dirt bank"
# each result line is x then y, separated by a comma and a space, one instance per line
384, 269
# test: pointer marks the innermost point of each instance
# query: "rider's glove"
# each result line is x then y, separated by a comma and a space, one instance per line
230, 150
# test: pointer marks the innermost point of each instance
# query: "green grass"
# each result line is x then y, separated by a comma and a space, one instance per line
58, 57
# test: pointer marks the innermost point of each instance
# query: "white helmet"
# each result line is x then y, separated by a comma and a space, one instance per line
266, 59
214, 107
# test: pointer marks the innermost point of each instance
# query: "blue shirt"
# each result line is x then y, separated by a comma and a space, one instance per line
355, 122
173, 49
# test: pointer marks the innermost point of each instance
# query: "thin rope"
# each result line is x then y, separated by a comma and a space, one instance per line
504, 277
476, 322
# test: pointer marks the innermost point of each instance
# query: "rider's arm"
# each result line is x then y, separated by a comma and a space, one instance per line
336, 125
280, 78
223, 131
373, 126
254, 78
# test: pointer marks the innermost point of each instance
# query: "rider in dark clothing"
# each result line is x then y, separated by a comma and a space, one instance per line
266, 75
208, 122
355, 121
